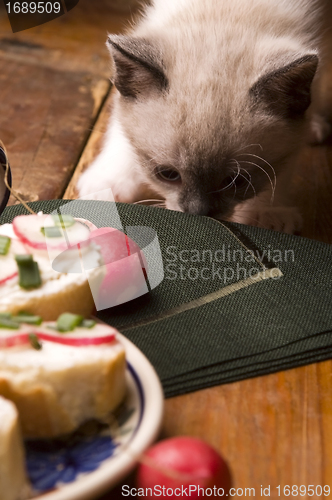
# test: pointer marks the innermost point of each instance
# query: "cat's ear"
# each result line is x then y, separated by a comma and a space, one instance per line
286, 91
138, 66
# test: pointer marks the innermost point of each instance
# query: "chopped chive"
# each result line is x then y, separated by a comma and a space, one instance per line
63, 220
88, 323
4, 244
51, 231
28, 318
9, 323
29, 275
24, 260
34, 341
5, 315
67, 322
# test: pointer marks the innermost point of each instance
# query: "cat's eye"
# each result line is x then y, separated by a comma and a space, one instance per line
169, 175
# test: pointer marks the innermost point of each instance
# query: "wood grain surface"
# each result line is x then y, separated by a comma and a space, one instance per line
53, 80
92, 148
54, 91
45, 118
73, 42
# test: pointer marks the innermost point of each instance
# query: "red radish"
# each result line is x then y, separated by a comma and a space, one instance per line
29, 230
80, 337
114, 244
124, 281
124, 263
186, 463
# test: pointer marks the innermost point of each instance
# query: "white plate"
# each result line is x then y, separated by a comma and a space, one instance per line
59, 468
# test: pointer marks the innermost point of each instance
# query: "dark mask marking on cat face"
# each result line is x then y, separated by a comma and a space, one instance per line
218, 192
138, 67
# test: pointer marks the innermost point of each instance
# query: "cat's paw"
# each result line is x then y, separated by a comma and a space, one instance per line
285, 219
101, 184
94, 186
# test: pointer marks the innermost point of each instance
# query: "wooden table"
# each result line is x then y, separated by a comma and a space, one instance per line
54, 98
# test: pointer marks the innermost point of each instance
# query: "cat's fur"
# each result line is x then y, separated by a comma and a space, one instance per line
216, 90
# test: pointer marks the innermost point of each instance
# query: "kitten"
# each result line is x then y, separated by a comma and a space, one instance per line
210, 108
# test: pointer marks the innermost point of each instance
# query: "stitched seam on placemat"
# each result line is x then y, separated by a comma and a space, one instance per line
259, 262
273, 273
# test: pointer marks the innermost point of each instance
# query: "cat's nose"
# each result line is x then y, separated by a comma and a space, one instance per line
197, 207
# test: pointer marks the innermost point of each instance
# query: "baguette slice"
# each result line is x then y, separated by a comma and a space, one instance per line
13, 479
57, 388
68, 293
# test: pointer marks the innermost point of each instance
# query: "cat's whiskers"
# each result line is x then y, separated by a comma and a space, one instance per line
146, 201
230, 184
249, 184
249, 146
159, 205
267, 163
233, 183
237, 175
248, 180
273, 187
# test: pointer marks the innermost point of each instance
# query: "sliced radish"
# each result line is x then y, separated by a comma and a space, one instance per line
77, 233
29, 229
123, 281
80, 337
124, 264
114, 244
8, 265
114, 247
13, 338
8, 268
90, 225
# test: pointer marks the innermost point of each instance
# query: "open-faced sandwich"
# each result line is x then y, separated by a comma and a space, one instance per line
60, 374
27, 280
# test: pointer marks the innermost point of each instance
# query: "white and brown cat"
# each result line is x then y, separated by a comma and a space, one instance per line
211, 108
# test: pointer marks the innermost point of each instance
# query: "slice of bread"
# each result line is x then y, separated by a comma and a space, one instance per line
65, 293
57, 388
13, 479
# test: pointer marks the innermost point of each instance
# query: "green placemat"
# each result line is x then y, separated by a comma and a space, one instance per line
235, 302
